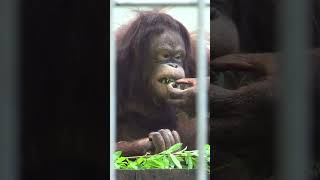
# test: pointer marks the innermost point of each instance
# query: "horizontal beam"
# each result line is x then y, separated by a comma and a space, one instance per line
159, 3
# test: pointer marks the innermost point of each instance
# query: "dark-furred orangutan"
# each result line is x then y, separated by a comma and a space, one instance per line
152, 51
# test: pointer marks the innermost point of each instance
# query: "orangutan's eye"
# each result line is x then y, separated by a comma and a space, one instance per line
165, 56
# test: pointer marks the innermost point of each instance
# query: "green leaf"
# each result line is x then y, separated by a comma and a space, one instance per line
116, 166
122, 166
189, 162
132, 165
179, 158
121, 159
181, 152
140, 160
175, 161
166, 162
195, 153
154, 163
117, 154
172, 149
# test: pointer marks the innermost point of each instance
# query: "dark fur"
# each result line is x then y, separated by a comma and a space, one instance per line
250, 137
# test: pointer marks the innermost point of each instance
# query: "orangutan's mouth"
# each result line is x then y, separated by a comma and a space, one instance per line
167, 80
172, 81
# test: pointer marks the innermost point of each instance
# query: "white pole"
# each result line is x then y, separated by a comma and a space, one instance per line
202, 96
113, 94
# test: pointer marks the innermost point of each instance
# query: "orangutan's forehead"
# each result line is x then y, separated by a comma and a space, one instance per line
167, 40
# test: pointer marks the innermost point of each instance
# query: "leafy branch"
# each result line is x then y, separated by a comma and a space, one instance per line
171, 158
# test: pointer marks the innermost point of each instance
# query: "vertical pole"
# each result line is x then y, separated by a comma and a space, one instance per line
113, 94
202, 102
294, 128
9, 94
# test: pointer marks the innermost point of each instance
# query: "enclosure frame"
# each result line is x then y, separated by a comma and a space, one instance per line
293, 146
202, 97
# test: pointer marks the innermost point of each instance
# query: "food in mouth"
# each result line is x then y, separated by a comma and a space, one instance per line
168, 81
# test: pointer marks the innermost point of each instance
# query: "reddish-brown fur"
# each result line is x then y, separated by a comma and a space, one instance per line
137, 114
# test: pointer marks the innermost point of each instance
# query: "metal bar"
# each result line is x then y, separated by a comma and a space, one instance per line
294, 119
158, 3
113, 93
9, 94
202, 96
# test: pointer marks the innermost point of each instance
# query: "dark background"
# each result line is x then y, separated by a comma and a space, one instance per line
65, 91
